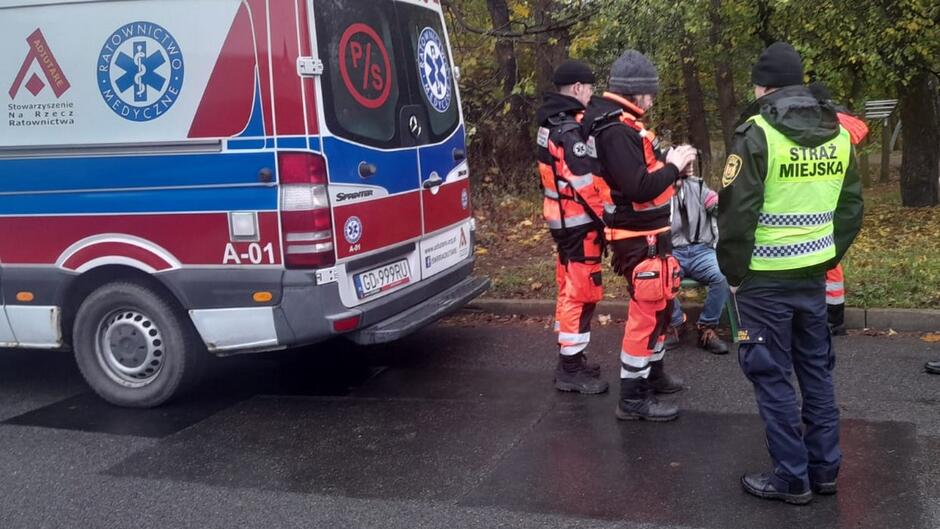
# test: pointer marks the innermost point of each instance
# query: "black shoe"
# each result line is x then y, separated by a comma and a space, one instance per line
837, 330
827, 488
708, 339
662, 382
933, 367
575, 374
638, 403
761, 485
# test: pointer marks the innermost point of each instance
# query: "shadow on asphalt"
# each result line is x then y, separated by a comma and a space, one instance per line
332, 369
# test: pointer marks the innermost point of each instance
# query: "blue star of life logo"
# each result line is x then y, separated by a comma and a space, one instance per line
352, 230
140, 71
434, 70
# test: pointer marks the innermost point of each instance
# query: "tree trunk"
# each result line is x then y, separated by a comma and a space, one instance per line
724, 76
920, 166
695, 99
505, 50
763, 27
552, 47
516, 147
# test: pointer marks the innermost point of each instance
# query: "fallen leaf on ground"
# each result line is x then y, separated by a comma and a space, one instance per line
537, 286
604, 319
931, 338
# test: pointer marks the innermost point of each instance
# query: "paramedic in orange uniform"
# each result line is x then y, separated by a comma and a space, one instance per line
572, 210
637, 202
835, 278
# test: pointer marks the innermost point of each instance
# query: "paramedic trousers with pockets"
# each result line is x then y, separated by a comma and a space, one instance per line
786, 331
578, 277
647, 321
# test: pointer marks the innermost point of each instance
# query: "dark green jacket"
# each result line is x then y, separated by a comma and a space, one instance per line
795, 113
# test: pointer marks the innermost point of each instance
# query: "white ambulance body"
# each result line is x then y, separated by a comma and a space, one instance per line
230, 175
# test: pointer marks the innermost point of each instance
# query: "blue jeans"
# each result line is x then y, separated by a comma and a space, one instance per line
784, 329
699, 262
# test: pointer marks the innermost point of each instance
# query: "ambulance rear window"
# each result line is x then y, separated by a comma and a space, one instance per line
361, 83
431, 68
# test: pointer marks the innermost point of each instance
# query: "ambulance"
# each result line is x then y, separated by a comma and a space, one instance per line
186, 178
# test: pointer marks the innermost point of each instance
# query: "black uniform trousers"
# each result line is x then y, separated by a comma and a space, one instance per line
786, 331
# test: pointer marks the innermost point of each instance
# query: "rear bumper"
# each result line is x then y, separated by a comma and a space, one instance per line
307, 311
424, 314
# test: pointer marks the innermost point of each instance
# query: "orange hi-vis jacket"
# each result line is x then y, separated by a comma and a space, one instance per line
615, 202
571, 198
856, 127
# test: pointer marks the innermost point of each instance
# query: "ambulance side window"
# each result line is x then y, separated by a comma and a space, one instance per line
430, 68
361, 83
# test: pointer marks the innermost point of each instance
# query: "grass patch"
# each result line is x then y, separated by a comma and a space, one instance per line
895, 262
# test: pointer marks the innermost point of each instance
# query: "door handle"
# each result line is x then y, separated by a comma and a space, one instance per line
367, 169
433, 182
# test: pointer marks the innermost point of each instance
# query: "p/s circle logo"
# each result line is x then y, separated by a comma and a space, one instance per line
352, 230
140, 71
365, 66
434, 70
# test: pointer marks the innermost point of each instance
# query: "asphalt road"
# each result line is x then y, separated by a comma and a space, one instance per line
456, 426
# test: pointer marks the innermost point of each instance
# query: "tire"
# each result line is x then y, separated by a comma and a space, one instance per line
134, 348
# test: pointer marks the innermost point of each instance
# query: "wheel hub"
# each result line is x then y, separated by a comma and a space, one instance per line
130, 348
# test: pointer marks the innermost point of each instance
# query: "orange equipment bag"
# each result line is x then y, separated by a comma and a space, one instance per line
657, 277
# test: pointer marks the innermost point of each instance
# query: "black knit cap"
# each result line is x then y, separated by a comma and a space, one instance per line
779, 65
571, 72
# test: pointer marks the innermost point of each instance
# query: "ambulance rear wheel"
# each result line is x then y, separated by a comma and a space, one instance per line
133, 346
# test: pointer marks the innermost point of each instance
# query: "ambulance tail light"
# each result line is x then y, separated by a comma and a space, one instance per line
306, 222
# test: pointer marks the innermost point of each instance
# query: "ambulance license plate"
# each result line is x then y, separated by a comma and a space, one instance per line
382, 279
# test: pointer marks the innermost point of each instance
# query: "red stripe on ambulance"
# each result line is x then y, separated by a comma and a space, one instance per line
205, 243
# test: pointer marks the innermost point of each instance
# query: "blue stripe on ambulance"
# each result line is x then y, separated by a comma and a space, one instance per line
396, 169
194, 199
440, 158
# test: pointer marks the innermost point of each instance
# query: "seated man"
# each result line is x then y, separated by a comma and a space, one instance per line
694, 235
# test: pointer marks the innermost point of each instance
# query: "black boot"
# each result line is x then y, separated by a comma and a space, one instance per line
836, 318
638, 403
662, 382
762, 485
573, 373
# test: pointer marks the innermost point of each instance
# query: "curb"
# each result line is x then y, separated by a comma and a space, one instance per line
905, 320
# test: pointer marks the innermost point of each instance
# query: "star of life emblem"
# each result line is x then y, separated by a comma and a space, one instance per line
434, 70
352, 230
140, 71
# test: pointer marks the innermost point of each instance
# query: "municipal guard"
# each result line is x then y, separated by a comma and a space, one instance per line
790, 207
637, 188
572, 210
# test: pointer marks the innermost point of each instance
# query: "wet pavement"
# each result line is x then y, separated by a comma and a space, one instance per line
456, 426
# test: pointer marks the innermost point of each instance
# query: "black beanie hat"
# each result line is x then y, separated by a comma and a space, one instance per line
820, 91
571, 72
780, 65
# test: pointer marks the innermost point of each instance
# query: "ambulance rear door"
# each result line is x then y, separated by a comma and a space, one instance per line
369, 144
442, 148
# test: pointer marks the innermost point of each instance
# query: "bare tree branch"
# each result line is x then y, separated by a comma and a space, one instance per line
506, 32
